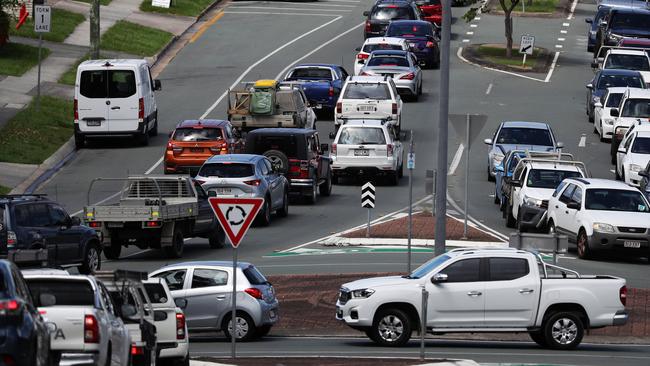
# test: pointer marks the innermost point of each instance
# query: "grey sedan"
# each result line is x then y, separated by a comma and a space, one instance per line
402, 66
207, 287
247, 175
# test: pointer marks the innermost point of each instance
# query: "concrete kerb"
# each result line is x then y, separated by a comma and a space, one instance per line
446, 362
67, 151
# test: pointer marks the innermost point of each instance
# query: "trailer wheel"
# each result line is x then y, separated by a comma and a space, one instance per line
114, 250
176, 249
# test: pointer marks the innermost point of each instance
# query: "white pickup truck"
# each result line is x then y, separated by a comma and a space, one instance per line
485, 290
88, 330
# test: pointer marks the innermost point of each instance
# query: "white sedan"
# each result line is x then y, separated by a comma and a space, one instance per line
633, 155
374, 44
603, 120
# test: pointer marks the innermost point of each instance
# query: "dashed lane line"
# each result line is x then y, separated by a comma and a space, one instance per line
277, 13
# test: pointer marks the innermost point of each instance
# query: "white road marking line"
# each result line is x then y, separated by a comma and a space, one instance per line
99, 203
154, 166
573, 9
473, 25
341, 1
481, 225
329, 5
564, 31
583, 141
265, 13
558, 46
469, 33
548, 77
561, 39
553, 64
263, 7
465, 40
612, 171
477, 18
456, 160
489, 89
566, 24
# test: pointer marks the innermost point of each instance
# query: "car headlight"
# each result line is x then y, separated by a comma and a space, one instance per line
363, 293
596, 99
497, 158
532, 201
603, 228
635, 168
608, 121
615, 36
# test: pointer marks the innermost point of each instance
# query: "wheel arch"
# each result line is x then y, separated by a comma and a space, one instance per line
406, 307
576, 308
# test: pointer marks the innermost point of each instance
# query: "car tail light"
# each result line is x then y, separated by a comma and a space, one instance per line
362, 56
429, 44
254, 182
299, 168
137, 350
9, 307
339, 107
330, 92
409, 76
141, 108
389, 150
76, 110
95, 224
333, 149
363, 73
622, 295
367, 26
153, 224
91, 329
394, 109
8, 360
11, 239
180, 326
256, 293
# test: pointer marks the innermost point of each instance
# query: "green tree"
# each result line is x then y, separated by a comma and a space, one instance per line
6, 10
508, 6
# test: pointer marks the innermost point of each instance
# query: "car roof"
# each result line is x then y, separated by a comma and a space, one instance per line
235, 158
332, 66
523, 124
622, 4
482, 251
602, 183
282, 131
367, 79
554, 166
22, 198
638, 93
620, 72
202, 122
630, 10
227, 264
626, 51
364, 123
389, 52
89, 64
618, 89
380, 40
643, 133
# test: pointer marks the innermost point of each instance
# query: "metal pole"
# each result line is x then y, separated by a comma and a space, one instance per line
38, 81
423, 321
466, 175
410, 234
435, 179
368, 226
233, 316
94, 30
443, 134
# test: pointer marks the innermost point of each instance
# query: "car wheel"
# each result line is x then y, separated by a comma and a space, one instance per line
393, 178
154, 130
563, 331
496, 197
400, 172
284, 211
618, 176
185, 361
312, 195
511, 222
489, 174
392, 328
245, 327
92, 260
217, 238
584, 252
590, 114
264, 217
335, 179
612, 151
109, 355
279, 160
551, 228
325, 189
143, 138
176, 249
79, 141
538, 337
114, 250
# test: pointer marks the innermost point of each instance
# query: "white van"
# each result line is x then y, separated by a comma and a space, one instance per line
115, 98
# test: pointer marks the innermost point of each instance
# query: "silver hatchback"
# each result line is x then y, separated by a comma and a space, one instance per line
402, 66
207, 287
247, 175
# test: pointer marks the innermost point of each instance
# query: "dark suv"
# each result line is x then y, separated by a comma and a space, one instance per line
622, 23
32, 222
296, 153
384, 11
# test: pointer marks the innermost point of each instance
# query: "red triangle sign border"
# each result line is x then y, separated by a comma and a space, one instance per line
223, 220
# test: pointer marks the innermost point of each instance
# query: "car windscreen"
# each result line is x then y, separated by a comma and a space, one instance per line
382, 60
548, 178
254, 276
107, 83
197, 134
367, 91
67, 292
382, 46
362, 136
227, 170
610, 81
311, 73
638, 108
614, 100
427, 267
409, 30
524, 136
156, 293
641, 145
391, 12
608, 199
627, 62
624, 20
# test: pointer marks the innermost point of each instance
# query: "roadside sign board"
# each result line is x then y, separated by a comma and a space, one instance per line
368, 195
410, 161
42, 18
161, 3
459, 123
527, 44
236, 215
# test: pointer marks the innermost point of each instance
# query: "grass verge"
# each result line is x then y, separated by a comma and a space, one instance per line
540, 6
4, 190
63, 23
497, 55
31, 137
134, 39
101, 2
16, 59
190, 8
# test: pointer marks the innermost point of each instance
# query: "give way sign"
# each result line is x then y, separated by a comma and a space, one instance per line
235, 215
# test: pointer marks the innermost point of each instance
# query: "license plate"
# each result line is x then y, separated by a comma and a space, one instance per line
115, 224
361, 152
196, 149
271, 314
224, 190
366, 108
631, 244
94, 123
319, 106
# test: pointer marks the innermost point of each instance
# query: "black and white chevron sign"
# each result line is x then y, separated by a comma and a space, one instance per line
368, 195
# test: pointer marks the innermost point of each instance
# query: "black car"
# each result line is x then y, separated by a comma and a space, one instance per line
385, 11
33, 222
24, 336
622, 23
610, 78
296, 153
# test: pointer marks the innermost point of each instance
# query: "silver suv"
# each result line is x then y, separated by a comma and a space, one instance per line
207, 287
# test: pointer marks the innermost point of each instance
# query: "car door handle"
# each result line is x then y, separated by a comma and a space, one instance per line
474, 293
556, 206
526, 291
116, 107
566, 212
221, 297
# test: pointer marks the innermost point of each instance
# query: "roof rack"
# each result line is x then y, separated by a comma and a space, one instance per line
23, 196
578, 164
122, 275
488, 248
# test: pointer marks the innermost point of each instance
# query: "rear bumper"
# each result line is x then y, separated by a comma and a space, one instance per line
620, 318
89, 132
269, 313
298, 184
178, 349
86, 358
362, 171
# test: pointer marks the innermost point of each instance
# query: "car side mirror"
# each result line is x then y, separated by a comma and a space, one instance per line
157, 85
212, 194
590, 85
128, 310
498, 168
159, 316
358, 49
332, 135
487, 141
573, 205
602, 23
598, 105
439, 278
559, 145
46, 300
621, 149
75, 221
324, 147
589, 20
366, 13
515, 182
181, 303
594, 65
613, 112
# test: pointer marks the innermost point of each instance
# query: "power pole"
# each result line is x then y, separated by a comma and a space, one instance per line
94, 30
443, 118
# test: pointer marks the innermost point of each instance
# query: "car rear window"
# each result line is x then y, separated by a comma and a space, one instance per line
614, 100
524, 136
197, 134
107, 83
391, 12
549, 178
409, 30
156, 293
367, 91
641, 145
227, 170
388, 61
67, 292
382, 46
362, 136
260, 144
254, 276
311, 73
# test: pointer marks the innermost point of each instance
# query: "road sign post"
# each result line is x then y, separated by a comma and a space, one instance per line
423, 320
368, 201
235, 216
410, 165
526, 46
42, 21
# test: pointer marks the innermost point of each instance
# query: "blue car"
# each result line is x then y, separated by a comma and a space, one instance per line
610, 78
24, 336
422, 37
322, 83
603, 8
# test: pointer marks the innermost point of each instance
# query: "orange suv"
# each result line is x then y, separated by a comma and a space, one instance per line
194, 141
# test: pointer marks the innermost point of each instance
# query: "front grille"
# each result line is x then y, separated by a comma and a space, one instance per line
544, 204
633, 230
344, 296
